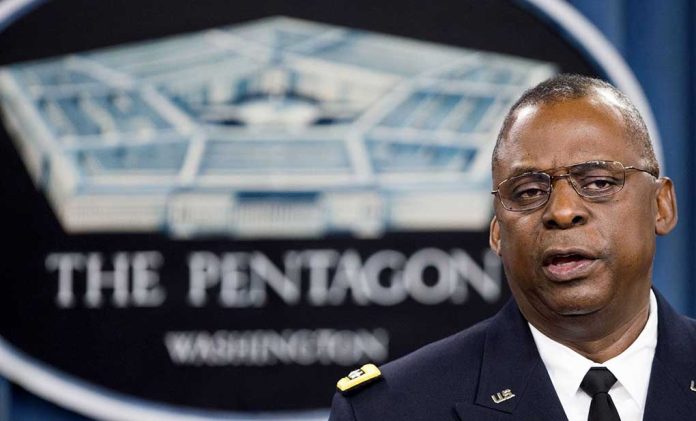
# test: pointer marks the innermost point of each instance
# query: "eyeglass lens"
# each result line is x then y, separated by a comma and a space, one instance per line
589, 179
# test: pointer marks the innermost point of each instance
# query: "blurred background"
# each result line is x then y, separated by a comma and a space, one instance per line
215, 210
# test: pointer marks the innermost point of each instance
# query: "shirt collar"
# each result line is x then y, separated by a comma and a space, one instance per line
567, 368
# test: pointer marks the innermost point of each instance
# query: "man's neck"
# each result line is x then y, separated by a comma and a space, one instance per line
613, 344
592, 338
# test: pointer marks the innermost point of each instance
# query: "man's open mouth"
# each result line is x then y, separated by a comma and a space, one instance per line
566, 266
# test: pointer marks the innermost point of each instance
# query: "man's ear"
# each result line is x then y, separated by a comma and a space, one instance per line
666, 200
494, 235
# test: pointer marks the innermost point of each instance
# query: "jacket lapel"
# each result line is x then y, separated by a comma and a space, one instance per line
511, 361
673, 368
513, 382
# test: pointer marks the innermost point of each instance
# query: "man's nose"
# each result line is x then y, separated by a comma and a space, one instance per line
565, 208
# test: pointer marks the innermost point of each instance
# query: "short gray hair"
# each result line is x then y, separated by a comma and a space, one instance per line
565, 87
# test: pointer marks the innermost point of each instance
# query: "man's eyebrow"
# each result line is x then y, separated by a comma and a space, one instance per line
521, 169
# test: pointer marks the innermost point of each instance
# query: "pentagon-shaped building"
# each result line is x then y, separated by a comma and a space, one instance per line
274, 128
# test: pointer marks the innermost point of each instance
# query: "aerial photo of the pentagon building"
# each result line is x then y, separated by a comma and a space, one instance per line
274, 128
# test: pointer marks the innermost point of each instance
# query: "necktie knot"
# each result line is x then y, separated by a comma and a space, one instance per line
597, 380
597, 383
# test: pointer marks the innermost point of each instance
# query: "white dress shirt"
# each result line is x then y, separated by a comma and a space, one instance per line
631, 368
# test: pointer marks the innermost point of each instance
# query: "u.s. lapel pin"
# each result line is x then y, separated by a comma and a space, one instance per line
503, 396
693, 386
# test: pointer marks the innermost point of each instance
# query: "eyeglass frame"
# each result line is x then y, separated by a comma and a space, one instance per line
570, 181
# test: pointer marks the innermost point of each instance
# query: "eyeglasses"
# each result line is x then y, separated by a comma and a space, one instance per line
590, 179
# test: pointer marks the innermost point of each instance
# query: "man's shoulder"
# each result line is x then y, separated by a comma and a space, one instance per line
426, 380
462, 350
688, 323
675, 330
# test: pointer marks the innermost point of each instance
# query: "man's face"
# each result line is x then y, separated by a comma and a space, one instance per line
576, 256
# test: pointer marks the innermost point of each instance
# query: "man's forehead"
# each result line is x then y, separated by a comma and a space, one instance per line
566, 132
519, 161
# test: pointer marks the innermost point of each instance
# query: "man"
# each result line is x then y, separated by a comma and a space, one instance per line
578, 205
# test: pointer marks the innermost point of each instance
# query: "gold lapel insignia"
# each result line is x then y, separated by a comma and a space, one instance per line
693, 386
361, 376
503, 396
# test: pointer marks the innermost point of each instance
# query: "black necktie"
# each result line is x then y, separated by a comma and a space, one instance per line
597, 383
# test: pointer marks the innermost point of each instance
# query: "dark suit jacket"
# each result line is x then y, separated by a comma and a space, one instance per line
453, 379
